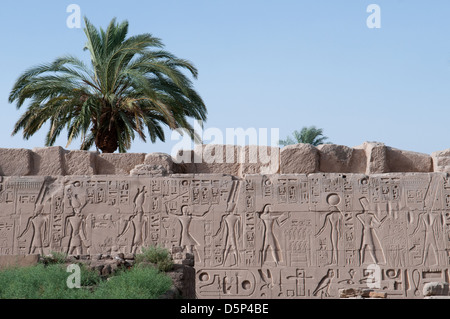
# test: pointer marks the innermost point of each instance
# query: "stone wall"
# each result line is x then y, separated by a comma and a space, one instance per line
325, 222
368, 158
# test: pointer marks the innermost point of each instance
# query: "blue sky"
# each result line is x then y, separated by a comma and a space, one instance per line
269, 64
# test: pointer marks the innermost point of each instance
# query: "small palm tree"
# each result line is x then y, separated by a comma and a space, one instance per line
131, 86
308, 135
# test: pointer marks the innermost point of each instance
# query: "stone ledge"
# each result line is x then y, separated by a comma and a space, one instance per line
367, 158
8, 261
15, 162
118, 163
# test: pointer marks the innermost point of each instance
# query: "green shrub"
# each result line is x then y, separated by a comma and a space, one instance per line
89, 277
55, 257
48, 280
157, 255
38, 282
165, 265
139, 282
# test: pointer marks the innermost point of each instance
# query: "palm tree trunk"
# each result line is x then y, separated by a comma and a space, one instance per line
106, 138
107, 141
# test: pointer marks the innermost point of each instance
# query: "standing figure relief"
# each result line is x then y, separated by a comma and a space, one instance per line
231, 228
138, 222
432, 226
77, 222
270, 240
370, 223
185, 218
41, 230
334, 219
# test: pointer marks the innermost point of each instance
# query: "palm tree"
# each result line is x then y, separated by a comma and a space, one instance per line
307, 135
131, 86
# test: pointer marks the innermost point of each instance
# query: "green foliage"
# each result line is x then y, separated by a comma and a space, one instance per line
165, 265
89, 277
132, 86
159, 256
54, 258
50, 282
307, 135
38, 282
139, 282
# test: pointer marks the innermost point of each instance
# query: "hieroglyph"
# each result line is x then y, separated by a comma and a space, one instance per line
274, 236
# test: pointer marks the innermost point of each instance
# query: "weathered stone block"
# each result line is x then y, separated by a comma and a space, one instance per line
15, 162
441, 161
163, 159
341, 159
184, 162
8, 261
406, 161
210, 159
48, 161
299, 159
118, 163
376, 157
149, 170
218, 159
79, 162
256, 159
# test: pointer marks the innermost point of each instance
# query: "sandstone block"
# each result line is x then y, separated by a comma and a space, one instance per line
118, 163
163, 159
184, 162
8, 261
218, 159
441, 161
341, 159
299, 159
149, 170
376, 157
406, 161
256, 159
15, 162
210, 159
79, 162
48, 161
444, 153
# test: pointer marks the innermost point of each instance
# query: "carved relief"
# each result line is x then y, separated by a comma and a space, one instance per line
262, 236
39, 224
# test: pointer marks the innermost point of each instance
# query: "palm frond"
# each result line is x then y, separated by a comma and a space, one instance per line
131, 87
